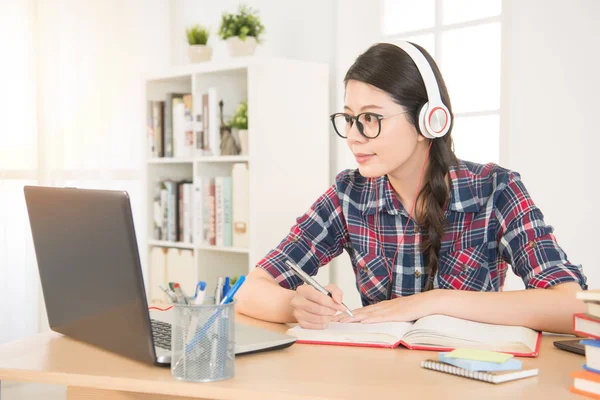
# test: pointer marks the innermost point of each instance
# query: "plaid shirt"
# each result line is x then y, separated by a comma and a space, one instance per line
491, 223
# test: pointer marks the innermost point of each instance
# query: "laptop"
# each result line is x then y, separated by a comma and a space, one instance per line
92, 280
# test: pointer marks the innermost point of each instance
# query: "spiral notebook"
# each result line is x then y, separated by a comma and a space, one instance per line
490, 377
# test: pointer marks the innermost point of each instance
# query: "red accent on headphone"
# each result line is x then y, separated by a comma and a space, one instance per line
431, 114
390, 269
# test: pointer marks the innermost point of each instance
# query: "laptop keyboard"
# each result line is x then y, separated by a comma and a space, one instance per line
161, 332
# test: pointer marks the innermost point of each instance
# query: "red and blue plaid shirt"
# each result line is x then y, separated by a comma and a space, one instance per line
491, 222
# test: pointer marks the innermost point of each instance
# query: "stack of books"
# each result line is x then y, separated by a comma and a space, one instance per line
482, 365
587, 381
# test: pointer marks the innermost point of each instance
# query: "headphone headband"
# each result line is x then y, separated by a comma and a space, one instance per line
431, 86
434, 117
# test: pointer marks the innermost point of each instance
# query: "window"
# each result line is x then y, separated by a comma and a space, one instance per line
71, 117
464, 37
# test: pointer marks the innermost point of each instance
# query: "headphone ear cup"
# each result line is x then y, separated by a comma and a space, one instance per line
423, 127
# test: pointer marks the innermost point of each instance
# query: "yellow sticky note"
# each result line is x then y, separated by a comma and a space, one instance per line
480, 355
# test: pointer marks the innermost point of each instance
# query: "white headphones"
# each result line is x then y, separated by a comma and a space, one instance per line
434, 116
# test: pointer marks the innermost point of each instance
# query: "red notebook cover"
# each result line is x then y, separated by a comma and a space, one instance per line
587, 318
535, 353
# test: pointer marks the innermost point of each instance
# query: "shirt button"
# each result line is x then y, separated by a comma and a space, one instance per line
365, 269
295, 239
532, 244
417, 274
463, 268
417, 230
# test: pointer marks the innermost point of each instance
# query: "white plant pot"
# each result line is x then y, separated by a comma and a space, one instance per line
200, 53
243, 136
241, 48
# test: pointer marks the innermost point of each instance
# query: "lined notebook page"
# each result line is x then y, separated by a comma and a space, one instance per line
477, 332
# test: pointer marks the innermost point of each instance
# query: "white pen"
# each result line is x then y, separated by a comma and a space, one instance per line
219, 290
310, 281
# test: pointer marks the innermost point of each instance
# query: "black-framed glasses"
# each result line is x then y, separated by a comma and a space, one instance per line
367, 123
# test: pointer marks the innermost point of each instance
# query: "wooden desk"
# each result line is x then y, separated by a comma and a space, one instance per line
298, 372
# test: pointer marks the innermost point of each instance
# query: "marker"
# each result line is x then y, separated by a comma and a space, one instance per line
219, 290
200, 293
168, 292
233, 289
181, 297
226, 286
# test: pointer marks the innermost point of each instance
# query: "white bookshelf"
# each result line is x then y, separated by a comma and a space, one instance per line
288, 142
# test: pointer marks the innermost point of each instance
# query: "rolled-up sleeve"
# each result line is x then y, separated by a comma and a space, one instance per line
528, 244
315, 239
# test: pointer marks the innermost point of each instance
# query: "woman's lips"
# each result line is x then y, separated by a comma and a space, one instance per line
363, 158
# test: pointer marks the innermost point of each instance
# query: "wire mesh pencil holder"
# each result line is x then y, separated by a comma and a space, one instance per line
203, 342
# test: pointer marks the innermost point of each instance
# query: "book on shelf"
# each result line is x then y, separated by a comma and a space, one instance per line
170, 99
203, 211
198, 211
188, 126
207, 126
174, 130
223, 211
240, 179
219, 211
433, 332
185, 212
212, 227
172, 211
207, 210
214, 136
155, 116
484, 376
227, 211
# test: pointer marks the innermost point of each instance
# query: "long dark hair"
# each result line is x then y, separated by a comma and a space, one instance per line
389, 68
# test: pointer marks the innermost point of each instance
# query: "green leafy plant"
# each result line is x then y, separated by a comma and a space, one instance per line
245, 23
240, 117
197, 34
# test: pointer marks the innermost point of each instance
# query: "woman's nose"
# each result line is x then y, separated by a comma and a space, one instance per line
354, 135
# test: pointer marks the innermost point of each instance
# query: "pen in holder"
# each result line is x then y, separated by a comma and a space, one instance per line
203, 342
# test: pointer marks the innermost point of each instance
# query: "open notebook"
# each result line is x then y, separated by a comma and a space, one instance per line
434, 332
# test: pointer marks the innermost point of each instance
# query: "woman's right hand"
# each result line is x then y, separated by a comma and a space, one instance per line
313, 309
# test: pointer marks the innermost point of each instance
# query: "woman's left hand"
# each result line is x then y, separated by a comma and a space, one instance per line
408, 308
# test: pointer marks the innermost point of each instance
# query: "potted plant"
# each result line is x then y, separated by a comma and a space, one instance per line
239, 121
197, 37
242, 31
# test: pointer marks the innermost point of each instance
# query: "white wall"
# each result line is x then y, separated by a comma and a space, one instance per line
295, 30
549, 128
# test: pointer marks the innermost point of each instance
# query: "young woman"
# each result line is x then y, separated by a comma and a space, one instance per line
426, 233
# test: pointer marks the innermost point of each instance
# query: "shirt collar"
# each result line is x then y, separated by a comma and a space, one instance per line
378, 194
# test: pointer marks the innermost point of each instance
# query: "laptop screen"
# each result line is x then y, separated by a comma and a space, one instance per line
90, 269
